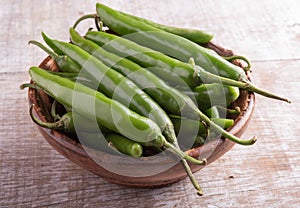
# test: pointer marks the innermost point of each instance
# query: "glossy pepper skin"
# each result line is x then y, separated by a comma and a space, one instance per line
171, 70
113, 115
176, 73
111, 143
129, 123
170, 99
197, 36
207, 95
198, 114
89, 134
168, 43
118, 87
185, 130
124, 145
180, 48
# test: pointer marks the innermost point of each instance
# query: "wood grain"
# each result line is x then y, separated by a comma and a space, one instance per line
267, 174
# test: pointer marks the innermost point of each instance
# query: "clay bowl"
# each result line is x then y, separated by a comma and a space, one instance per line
76, 152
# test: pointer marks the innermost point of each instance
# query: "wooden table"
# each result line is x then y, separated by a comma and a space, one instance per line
264, 175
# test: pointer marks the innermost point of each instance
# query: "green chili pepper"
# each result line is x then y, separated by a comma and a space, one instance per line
170, 99
197, 36
175, 46
118, 87
63, 90
207, 95
192, 108
98, 52
171, 70
51, 45
168, 43
106, 112
64, 63
124, 145
66, 124
184, 129
158, 115
212, 112
218, 111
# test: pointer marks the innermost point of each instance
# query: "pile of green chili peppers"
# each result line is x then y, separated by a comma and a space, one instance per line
145, 86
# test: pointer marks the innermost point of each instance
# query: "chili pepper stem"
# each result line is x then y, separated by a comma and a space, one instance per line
237, 57
178, 152
44, 48
192, 177
250, 87
190, 173
53, 111
87, 16
98, 26
224, 133
236, 110
59, 125
242, 84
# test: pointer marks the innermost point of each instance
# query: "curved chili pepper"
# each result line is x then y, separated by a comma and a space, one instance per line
188, 105
176, 46
129, 123
125, 145
192, 108
66, 124
106, 112
173, 71
216, 110
140, 102
207, 95
64, 63
170, 99
63, 91
184, 129
197, 36
115, 85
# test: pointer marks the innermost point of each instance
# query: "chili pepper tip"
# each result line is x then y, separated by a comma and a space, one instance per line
29, 85
23, 86
238, 109
200, 193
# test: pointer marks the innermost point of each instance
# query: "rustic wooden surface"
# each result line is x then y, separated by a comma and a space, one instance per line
267, 174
